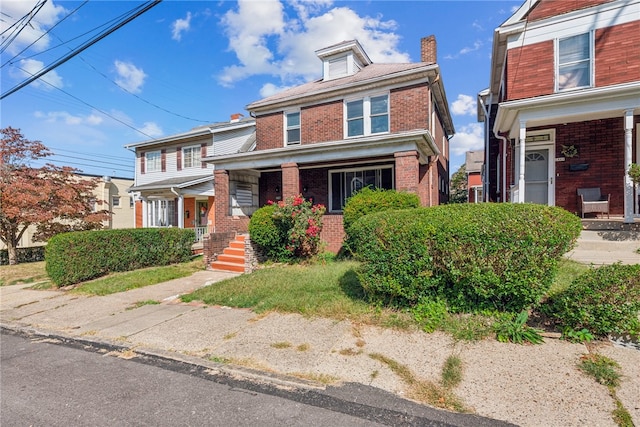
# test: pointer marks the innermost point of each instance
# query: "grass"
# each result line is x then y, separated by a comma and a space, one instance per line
567, 271
604, 370
32, 272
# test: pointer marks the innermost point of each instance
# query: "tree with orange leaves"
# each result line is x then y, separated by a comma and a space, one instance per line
53, 199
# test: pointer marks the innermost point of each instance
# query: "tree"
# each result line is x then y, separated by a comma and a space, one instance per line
53, 199
458, 191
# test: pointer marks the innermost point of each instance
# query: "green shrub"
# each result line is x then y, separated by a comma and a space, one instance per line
475, 256
32, 254
603, 300
78, 256
430, 313
368, 201
289, 229
513, 328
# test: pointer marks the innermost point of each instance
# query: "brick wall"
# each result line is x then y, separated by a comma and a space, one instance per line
548, 8
223, 221
409, 108
407, 169
320, 123
332, 232
530, 71
428, 51
269, 131
600, 143
213, 244
290, 180
618, 54
269, 182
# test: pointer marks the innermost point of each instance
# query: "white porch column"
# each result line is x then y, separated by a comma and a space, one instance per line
180, 211
145, 212
522, 138
628, 184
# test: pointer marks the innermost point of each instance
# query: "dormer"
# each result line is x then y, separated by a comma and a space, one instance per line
342, 59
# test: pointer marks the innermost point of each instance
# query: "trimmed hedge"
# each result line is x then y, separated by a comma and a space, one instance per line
265, 232
78, 256
475, 256
32, 254
603, 300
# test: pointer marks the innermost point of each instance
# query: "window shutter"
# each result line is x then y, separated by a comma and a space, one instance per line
203, 153
179, 158
142, 163
163, 160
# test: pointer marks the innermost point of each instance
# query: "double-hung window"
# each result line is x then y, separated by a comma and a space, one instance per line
153, 161
293, 128
191, 157
345, 183
574, 62
367, 116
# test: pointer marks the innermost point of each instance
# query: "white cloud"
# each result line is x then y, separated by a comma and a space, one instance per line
464, 105
179, 26
469, 138
269, 40
66, 118
151, 129
29, 67
270, 89
130, 77
35, 32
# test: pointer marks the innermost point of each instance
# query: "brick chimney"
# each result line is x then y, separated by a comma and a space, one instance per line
235, 117
428, 49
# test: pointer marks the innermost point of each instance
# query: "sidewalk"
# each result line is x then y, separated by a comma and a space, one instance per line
526, 385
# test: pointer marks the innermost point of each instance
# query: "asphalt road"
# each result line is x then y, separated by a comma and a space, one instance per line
48, 382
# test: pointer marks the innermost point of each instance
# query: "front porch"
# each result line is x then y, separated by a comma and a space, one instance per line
607, 241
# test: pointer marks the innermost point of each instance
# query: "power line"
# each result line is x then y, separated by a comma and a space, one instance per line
102, 162
17, 32
75, 52
105, 156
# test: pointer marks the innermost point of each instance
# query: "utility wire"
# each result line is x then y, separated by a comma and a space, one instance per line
105, 156
30, 15
102, 162
81, 48
10, 61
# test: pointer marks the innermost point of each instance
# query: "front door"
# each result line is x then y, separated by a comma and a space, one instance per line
536, 176
202, 209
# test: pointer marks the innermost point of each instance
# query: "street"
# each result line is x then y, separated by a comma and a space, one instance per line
46, 383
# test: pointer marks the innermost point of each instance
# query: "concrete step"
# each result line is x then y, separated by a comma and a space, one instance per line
234, 251
233, 259
227, 266
237, 244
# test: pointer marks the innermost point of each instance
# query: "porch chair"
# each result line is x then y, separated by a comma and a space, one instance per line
591, 200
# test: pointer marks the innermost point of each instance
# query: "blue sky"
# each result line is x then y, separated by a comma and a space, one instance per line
183, 64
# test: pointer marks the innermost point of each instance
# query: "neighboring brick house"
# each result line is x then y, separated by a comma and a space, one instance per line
361, 124
173, 186
562, 111
474, 161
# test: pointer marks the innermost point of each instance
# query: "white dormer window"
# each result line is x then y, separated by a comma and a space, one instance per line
343, 59
338, 67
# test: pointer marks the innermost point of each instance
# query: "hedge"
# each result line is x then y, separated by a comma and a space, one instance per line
603, 300
475, 256
78, 256
32, 254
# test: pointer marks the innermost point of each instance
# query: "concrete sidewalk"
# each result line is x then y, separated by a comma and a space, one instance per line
525, 385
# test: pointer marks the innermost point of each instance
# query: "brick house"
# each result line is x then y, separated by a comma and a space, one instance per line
474, 160
360, 124
562, 111
173, 187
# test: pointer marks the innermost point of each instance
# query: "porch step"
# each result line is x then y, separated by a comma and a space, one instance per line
232, 257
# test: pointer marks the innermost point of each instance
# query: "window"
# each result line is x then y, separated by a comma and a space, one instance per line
244, 198
191, 157
131, 202
162, 213
345, 183
574, 62
153, 161
115, 201
367, 116
293, 128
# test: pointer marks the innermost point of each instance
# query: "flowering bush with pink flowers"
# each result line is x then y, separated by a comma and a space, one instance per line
298, 223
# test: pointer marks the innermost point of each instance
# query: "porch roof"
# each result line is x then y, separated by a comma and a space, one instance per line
567, 107
181, 182
419, 140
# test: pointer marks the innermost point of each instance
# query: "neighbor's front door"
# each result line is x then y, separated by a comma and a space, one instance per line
538, 180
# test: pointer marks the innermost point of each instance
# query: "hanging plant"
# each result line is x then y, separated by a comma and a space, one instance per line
569, 151
634, 173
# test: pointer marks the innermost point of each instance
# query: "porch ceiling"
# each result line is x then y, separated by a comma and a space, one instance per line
567, 107
168, 184
357, 148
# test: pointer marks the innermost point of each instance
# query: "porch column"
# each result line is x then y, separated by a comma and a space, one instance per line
521, 140
290, 180
145, 212
407, 174
180, 211
628, 184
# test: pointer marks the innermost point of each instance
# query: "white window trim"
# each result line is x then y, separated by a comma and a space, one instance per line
113, 202
366, 113
197, 149
367, 168
592, 53
147, 163
286, 128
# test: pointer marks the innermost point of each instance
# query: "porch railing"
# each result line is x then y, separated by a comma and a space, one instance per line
201, 232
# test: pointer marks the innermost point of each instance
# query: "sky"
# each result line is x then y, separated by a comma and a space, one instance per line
183, 64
